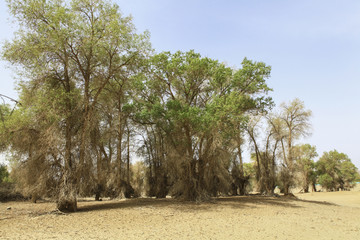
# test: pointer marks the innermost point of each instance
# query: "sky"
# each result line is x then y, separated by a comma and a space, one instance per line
313, 47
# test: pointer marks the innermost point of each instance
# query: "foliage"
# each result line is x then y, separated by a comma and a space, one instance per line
326, 181
336, 171
93, 91
4, 174
193, 103
67, 52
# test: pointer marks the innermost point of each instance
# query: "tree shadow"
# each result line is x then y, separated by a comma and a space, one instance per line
317, 202
251, 201
258, 200
123, 204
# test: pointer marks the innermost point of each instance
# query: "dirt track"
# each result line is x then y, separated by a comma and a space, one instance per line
251, 217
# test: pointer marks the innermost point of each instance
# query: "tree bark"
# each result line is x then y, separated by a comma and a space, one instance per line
128, 157
119, 144
241, 167
314, 187
66, 200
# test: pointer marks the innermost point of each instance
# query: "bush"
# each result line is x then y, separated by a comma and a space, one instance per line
8, 192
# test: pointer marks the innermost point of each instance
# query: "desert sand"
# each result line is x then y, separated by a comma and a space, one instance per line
333, 215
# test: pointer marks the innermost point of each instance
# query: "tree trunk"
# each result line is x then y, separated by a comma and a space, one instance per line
67, 197
241, 161
306, 186
67, 204
258, 170
84, 130
128, 157
314, 186
286, 189
119, 144
97, 196
243, 183
66, 200
34, 198
191, 183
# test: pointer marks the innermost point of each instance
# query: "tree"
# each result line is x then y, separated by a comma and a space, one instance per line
264, 156
68, 52
194, 102
295, 124
88, 83
304, 156
349, 175
336, 171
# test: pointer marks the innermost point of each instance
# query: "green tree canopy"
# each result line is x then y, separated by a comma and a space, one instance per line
336, 170
196, 101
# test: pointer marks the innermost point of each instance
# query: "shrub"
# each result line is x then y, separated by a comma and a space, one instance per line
8, 192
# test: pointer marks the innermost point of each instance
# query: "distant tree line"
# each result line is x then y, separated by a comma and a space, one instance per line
94, 95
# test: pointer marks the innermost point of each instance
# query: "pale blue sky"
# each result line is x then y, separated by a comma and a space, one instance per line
313, 47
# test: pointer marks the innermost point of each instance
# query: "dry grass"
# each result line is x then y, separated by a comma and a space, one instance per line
312, 216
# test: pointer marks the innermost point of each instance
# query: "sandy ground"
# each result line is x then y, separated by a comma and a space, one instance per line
249, 217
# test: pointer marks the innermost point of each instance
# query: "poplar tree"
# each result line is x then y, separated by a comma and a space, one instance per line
67, 52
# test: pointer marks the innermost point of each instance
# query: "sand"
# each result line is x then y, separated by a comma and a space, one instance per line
248, 217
